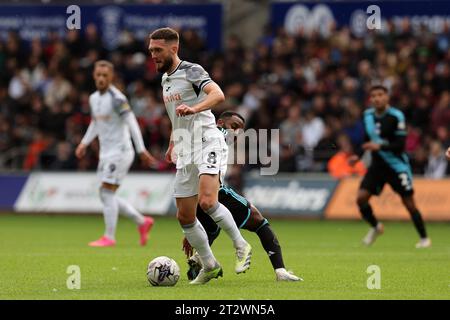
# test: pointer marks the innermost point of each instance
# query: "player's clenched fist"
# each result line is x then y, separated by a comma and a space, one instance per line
184, 110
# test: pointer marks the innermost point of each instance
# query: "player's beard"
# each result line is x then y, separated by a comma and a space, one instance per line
166, 65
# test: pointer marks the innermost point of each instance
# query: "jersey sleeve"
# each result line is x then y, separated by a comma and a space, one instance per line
91, 132
121, 105
196, 75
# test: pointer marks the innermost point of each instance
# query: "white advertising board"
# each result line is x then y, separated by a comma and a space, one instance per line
78, 193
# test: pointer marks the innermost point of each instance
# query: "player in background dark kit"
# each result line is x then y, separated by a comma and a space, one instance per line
385, 131
244, 214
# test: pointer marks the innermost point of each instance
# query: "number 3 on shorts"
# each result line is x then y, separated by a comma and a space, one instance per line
405, 181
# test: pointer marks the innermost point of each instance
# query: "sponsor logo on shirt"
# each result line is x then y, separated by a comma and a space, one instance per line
172, 97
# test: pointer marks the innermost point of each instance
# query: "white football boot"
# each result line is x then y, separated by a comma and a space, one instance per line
373, 233
284, 275
423, 243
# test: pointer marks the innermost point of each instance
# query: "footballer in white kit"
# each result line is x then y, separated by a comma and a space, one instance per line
200, 151
114, 123
206, 151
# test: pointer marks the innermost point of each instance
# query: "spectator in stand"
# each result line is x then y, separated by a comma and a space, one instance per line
312, 87
340, 165
437, 164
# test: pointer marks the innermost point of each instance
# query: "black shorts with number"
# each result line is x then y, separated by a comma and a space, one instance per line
376, 177
237, 204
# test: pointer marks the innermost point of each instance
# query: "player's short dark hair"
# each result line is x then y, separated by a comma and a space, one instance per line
228, 114
104, 63
167, 34
379, 87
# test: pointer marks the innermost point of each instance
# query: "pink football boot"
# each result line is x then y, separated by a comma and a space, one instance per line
103, 242
144, 229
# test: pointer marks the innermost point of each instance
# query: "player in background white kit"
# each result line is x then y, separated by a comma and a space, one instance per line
189, 94
113, 122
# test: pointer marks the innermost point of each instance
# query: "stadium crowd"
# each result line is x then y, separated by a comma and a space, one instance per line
314, 89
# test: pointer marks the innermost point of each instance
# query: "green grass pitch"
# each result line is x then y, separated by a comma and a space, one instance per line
35, 252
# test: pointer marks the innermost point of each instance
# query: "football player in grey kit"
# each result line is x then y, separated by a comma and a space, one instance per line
189, 94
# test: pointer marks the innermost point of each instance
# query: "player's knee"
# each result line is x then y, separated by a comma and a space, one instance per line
362, 200
104, 192
207, 202
255, 221
184, 218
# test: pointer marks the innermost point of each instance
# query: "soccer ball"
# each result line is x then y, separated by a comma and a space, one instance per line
163, 271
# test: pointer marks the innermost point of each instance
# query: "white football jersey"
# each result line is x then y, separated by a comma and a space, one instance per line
113, 132
185, 85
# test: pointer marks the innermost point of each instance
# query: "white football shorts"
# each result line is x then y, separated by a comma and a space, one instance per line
113, 169
212, 159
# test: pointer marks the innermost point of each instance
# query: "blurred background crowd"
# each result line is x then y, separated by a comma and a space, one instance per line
312, 88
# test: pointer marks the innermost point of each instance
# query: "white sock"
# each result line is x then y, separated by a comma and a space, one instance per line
224, 219
197, 237
129, 211
110, 212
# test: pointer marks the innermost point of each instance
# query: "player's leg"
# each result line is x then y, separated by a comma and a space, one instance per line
419, 224
125, 208
186, 189
197, 237
208, 200
211, 228
212, 231
110, 215
258, 224
144, 224
403, 185
365, 208
372, 184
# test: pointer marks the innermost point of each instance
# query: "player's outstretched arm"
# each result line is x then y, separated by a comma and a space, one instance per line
136, 135
214, 96
89, 136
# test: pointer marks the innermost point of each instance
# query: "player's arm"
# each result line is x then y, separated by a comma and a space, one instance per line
201, 81
448, 153
214, 96
123, 108
360, 153
89, 136
136, 135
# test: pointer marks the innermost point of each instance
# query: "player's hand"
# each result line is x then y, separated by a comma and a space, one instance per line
447, 154
352, 160
187, 248
371, 146
168, 157
80, 152
147, 158
184, 110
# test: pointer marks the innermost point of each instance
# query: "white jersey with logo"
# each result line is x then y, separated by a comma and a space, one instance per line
185, 85
205, 152
113, 133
